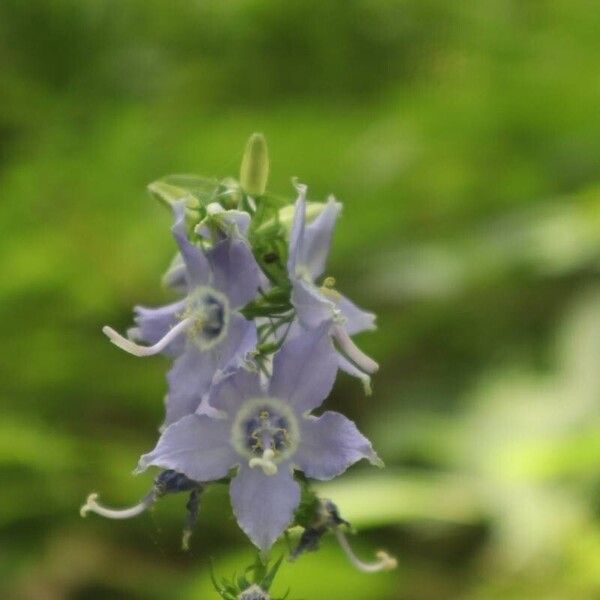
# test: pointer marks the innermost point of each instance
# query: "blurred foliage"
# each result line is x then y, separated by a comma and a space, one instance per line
464, 140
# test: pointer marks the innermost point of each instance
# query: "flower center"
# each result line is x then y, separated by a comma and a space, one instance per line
208, 310
265, 430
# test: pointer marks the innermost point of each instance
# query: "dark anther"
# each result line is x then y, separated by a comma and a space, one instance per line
170, 482
309, 541
329, 518
334, 514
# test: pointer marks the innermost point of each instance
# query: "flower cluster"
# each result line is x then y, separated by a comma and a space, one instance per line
256, 339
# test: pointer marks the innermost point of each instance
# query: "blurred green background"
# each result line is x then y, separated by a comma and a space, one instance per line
463, 138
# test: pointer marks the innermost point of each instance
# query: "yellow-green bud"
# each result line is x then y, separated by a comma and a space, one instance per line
255, 166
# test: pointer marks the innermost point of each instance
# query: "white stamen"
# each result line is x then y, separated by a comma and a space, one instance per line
92, 505
265, 462
352, 351
384, 562
118, 340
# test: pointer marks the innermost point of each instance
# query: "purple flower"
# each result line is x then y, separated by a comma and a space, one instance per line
267, 431
204, 331
315, 305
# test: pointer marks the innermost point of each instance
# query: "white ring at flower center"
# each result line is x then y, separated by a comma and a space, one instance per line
208, 309
253, 410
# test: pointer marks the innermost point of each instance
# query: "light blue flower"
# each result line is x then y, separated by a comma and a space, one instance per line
204, 331
308, 251
266, 431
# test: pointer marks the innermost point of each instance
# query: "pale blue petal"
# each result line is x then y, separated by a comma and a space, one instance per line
233, 388
193, 372
241, 339
329, 444
312, 307
264, 505
154, 323
196, 266
234, 223
357, 320
297, 230
317, 239
235, 271
189, 379
197, 446
175, 276
304, 370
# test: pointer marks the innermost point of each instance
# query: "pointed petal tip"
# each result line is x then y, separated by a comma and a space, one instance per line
375, 460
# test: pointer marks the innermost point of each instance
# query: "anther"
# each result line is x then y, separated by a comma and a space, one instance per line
125, 344
265, 462
384, 561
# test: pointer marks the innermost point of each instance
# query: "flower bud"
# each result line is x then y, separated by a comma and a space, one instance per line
254, 171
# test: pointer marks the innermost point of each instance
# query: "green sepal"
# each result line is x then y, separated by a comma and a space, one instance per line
267, 580
307, 511
168, 194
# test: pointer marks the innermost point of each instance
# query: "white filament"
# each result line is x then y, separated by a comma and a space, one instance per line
352, 351
384, 562
125, 344
92, 505
265, 462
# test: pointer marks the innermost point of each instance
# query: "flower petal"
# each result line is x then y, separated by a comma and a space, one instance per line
312, 307
304, 369
264, 505
329, 444
189, 379
154, 323
233, 388
194, 371
357, 320
196, 265
197, 446
317, 239
175, 277
297, 231
241, 339
235, 271
232, 223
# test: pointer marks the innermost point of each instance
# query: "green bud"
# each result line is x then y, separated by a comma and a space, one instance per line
254, 171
